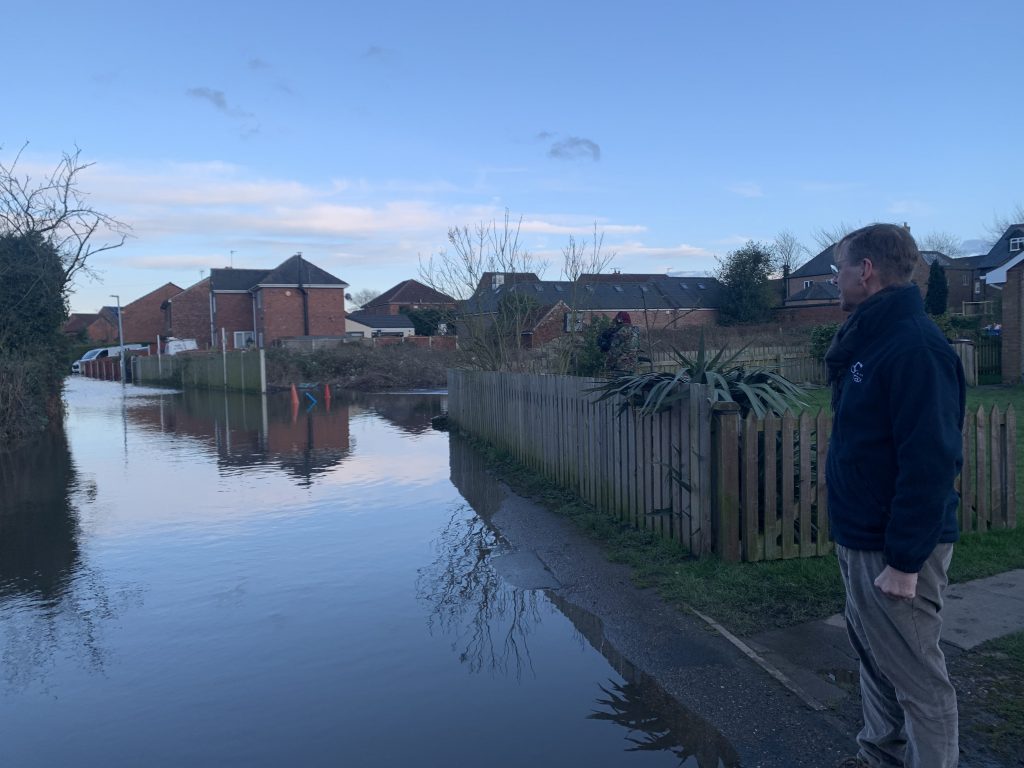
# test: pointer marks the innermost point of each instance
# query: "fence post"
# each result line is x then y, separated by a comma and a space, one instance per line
725, 499
965, 350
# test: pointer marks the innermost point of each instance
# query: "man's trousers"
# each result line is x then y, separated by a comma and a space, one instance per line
910, 715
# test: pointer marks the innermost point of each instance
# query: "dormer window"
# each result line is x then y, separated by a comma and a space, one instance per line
807, 283
497, 281
1016, 244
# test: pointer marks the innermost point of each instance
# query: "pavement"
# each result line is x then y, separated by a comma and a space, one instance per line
818, 659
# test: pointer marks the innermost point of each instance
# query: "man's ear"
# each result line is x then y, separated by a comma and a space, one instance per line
869, 269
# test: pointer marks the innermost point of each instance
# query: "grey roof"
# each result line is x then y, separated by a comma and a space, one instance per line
1000, 252
300, 271
380, 321
819, 265
410, 292
293, 271
663, 293
944, 260
228, 279
824, 291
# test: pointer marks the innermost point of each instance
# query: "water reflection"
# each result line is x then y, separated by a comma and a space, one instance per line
467, 595
489, 619
38, 529
62, 603
410, 412
249, 431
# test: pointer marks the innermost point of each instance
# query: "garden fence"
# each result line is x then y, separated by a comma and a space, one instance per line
747, 488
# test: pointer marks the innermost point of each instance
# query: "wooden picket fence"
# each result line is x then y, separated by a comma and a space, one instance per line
746, 488
988, 482
653, 472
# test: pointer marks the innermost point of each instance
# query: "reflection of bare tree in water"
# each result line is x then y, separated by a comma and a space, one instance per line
655, 720
490, 620
50, 604
657, 724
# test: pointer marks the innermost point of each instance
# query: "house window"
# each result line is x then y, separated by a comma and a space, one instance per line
966, 280
1017, 243
244, 339
807, 283
497, 281
573, 322
977, 286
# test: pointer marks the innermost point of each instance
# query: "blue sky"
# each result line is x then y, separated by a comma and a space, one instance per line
358, 133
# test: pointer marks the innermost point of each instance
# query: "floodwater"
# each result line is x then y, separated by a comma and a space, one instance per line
210, 580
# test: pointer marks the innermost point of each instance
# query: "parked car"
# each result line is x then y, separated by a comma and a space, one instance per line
100, 352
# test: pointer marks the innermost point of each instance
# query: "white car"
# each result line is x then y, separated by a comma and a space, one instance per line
101, 352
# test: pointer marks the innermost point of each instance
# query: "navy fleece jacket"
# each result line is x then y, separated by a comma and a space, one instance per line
896, 445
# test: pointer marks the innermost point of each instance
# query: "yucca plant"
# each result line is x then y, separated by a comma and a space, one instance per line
758, 389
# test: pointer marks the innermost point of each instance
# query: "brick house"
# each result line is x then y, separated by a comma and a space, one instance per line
549, 309
813, 283
187, 314
143, 319
78, 324
988, 271
410, 294
103, 329
259, 306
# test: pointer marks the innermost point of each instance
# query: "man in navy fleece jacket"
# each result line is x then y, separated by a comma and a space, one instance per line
895, 452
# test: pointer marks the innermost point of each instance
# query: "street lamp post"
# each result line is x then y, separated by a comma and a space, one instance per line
120, 334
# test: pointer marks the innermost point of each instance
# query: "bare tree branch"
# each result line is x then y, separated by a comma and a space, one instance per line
57, 209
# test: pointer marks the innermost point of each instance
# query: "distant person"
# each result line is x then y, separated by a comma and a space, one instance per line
621, 343
898, 401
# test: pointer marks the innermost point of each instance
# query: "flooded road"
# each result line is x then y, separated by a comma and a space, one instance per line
220, 580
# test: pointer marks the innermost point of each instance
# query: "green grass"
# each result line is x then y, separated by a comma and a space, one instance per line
993, 675
751, 597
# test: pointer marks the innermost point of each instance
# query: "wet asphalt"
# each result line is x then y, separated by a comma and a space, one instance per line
727, 698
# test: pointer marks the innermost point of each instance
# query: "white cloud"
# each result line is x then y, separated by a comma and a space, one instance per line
746, 189
909, 208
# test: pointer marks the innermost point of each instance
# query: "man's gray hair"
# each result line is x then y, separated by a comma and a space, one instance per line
890, 247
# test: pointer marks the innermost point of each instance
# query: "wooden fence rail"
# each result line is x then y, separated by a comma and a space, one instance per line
653, 472
746, 488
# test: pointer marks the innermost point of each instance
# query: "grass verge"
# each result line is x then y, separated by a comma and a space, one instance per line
989, 680
745, 597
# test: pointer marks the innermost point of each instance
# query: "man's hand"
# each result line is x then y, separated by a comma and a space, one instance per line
897, 584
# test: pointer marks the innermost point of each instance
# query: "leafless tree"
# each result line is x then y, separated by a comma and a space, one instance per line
55, 208
943, 242
1000, 224
585, 258
789, 252
490, 338
363, 296
826, 236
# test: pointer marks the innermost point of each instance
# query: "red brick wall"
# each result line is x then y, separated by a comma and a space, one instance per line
143, 319
796, 284
101, 331
1011, 333
281, 313
232, 312
188, 314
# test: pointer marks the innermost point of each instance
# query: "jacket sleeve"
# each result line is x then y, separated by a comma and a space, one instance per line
926, 398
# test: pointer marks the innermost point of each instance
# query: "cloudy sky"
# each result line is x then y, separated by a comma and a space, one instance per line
358, 133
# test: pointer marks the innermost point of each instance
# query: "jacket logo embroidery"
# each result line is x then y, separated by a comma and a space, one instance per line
857, 369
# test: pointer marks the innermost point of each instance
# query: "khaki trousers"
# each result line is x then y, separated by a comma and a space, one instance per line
910, 715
